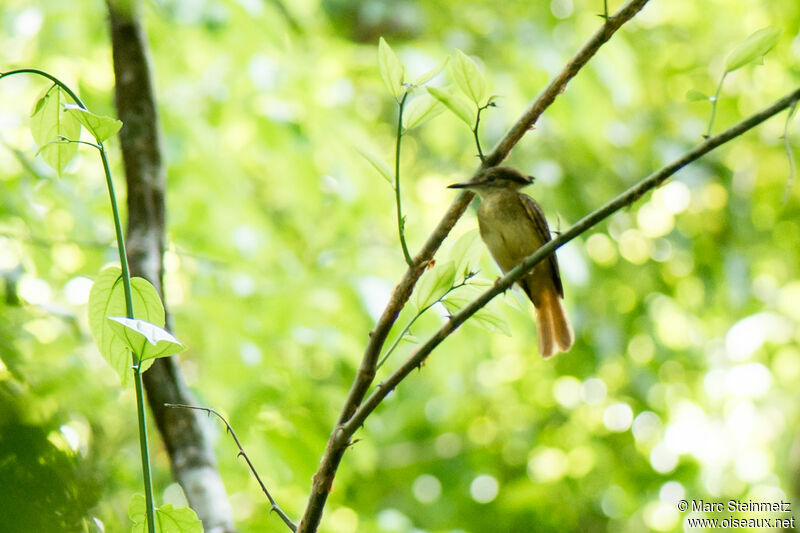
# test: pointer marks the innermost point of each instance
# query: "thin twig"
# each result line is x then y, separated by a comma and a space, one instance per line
475, 129
714, 102
275, 507
323, 479
623, 200
421, 312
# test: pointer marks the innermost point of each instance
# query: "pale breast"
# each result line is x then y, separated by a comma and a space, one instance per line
507, 230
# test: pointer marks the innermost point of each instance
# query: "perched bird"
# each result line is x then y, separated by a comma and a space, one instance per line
513, 226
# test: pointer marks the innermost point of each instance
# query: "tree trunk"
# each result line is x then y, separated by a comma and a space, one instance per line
192, 459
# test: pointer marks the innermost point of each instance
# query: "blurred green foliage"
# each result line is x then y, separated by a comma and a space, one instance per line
282, 250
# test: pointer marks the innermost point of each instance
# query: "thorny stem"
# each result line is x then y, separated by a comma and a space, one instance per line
275, 507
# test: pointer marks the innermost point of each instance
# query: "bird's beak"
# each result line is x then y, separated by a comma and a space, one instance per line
462, 185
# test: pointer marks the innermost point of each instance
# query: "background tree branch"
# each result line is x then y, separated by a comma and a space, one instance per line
191, 455
335, 448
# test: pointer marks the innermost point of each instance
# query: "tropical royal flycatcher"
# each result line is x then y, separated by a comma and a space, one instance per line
513, 226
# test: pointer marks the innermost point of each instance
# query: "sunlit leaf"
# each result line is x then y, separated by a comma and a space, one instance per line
693, 95
457, 103
144, 338
100, 127
421, 109
468, 77
51, 126
490, 317
107, 298
425, 78
378, 164
435, 283
41, 100
168, 518
391, 68
466, 253
753, 48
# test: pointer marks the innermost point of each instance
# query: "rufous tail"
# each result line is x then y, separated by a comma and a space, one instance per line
555, 334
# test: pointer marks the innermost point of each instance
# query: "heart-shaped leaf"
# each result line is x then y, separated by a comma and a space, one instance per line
168, 518
100, 127
107, 298
52, 127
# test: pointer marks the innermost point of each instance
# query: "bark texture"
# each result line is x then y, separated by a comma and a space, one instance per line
191, 455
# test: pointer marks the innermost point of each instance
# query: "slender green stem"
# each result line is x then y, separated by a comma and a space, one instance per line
714, 106
419, 314
49, 77
401, 223
475, 129
477, 139
605, 9
126, 284
400, 337
123, 257
789, 180
137, 363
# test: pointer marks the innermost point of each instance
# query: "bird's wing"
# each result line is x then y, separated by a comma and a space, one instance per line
536, 214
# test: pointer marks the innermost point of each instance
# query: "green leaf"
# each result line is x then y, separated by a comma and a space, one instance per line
420, 110
144, 338
100, 127
391, 69
753, 48
693, 95
378, 164
41, 100
107, 298
468, 77
168, 518
458, 104
435, 283
50, 125
490, 317
428, 76
466, 253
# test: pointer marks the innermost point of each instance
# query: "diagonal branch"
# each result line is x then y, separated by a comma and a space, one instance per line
623, 200
334, 451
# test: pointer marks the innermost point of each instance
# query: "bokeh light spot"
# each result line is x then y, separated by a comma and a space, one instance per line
484, 488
